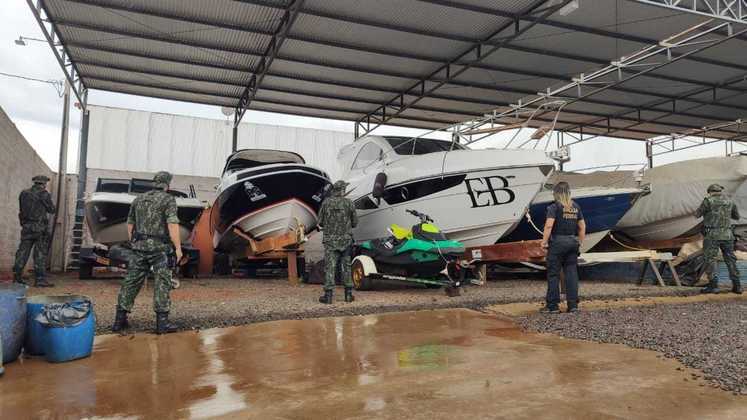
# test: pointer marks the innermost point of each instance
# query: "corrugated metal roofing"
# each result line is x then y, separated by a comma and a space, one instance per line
342, 59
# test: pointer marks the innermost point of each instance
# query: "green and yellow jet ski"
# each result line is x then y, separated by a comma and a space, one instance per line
422, 254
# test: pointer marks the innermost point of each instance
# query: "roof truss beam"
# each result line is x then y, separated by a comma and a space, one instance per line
451, 70
276, 42
734, 11
689, 40
55, 41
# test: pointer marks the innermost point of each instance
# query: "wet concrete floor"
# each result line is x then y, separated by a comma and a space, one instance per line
448, 364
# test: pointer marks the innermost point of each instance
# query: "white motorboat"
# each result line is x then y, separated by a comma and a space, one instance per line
265, 193
475, 196
107, 209
676, 191
602, 208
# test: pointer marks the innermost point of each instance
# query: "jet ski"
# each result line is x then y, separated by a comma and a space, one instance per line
421, 255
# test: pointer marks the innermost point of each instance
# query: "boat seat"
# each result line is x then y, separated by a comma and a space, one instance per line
400, 233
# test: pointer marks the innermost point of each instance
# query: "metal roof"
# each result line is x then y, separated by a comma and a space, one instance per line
424, 64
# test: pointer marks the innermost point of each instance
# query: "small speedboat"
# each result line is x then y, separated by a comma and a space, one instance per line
107, 209
262, 194
476, 195
602, 209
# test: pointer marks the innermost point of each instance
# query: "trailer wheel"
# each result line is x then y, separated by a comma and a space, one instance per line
85, 272
361, 268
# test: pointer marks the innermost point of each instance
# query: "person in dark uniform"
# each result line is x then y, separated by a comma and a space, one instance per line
564, 232
337, 218
717, 212
34, 204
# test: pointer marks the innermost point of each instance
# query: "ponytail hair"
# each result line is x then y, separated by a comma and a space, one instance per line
562, 194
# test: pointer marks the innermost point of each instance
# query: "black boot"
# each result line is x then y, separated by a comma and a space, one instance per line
736, 287
163, 326
18, 278
42, 282
326, 298
349, 294
120, 321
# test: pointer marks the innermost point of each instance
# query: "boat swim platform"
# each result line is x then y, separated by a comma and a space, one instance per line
532, 254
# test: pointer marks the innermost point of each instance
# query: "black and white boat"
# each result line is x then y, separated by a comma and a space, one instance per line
107, 209
265, 193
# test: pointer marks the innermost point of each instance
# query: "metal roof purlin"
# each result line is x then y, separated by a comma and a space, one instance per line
687, 38
289, 16
60, 52
398, 102
734, 11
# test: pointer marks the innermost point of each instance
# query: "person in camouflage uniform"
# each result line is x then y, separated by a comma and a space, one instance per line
716, 211
337, 219
153, 227
34, 204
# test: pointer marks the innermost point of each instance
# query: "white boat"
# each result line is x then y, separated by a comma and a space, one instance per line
475, 196
676, 191
107, 209
602, 208
265, 193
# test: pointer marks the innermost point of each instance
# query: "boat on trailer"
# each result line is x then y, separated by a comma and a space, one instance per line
264, 194
476, 195
108, 207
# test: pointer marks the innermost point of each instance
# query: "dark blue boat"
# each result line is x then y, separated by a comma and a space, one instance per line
602, 208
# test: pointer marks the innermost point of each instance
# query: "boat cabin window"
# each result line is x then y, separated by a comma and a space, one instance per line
131, 186
410, 146
369, 154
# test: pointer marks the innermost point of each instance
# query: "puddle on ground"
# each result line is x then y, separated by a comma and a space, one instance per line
428, 364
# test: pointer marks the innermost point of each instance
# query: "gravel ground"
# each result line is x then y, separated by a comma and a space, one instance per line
709, 336
215, 302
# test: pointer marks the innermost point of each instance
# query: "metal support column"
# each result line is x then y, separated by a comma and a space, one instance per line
650, 153
235, 138
57, 239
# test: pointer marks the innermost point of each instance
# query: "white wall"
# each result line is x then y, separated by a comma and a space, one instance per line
138, 141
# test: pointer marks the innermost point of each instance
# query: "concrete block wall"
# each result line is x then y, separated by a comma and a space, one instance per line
18, 164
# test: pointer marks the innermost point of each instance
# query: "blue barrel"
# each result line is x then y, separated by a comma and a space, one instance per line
34, 343
12, 319
63, 344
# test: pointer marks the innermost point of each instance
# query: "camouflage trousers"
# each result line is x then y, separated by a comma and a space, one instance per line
40, 245
141, 264
710, 258
337, 261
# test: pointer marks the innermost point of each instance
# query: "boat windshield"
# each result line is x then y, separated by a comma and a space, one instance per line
250, 158
410, 146
131, 186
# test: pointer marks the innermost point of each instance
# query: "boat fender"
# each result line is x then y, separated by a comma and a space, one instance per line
379, 185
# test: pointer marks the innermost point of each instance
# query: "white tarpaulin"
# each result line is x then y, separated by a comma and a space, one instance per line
138, 141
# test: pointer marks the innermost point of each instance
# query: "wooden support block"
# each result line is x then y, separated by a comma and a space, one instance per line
509, 252
656, 272
642, 277
293, 268
675, 276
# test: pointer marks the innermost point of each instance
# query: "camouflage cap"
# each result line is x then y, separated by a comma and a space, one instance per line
162, 179
715, 188
40, 179
340, 185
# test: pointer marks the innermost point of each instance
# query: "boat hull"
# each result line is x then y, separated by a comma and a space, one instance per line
602, 208
476, 207
106, 217
265, 201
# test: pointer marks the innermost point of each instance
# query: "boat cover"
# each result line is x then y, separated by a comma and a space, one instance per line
677, 189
